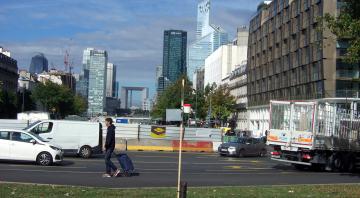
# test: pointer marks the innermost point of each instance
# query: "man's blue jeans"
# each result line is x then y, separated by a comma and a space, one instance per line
108, 162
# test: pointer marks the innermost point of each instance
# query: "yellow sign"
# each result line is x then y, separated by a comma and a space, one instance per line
158, 132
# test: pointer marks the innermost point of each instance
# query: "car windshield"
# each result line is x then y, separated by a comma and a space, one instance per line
37, 136
31, 125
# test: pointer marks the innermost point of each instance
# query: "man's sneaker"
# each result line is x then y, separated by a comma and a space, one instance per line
117, 173
106, 175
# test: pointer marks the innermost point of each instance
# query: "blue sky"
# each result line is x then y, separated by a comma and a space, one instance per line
130, 30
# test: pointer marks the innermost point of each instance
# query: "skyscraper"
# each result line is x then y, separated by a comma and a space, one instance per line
38, 64
97, 81
209, 37
82, 86
110, 80
174, 54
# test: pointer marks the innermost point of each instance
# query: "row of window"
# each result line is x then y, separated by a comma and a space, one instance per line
307, 91
297, 76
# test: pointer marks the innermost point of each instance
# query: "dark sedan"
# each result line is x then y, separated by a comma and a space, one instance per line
243, 146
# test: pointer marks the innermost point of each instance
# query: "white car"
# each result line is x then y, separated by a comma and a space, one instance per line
27, 146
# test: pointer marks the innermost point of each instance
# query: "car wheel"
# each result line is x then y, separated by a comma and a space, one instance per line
262, 153
242, 153
44, 159
85, 152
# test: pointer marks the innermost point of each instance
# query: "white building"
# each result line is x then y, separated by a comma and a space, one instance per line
220, 63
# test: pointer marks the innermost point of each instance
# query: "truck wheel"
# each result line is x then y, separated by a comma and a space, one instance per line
44, 159
85, 152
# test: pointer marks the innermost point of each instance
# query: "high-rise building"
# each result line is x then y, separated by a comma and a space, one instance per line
110, 80
288, 58
97, 82
116, 90
82, 85
198, 79
209, 38
174, 54
158, 74
8, 73
38, 64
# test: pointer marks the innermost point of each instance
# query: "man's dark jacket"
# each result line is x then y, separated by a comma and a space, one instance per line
110, 138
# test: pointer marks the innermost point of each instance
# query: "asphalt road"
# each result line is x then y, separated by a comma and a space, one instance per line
159, 169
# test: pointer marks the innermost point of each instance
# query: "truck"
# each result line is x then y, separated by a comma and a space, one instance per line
75, 137
322, 134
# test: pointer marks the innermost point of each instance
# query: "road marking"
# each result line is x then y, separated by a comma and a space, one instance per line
233, 167
50, 167
147, 156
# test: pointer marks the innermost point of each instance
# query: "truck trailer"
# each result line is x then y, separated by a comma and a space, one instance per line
321, 134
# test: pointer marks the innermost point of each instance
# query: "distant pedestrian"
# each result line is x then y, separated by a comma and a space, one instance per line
109, 149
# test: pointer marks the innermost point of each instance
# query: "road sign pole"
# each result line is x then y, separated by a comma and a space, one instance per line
181, 138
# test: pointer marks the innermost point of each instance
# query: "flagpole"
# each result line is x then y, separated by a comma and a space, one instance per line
181, 138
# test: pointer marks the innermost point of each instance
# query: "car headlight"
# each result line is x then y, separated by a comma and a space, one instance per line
55, 148
231, 148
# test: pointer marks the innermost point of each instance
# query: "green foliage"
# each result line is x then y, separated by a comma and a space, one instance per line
221, 102
171, 98
58, 99
29, 104
79, 105
7, 104
346, 27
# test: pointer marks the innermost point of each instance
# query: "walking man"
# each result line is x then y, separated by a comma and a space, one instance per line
109, 149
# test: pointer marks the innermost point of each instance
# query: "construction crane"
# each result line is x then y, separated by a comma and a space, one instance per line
68, 67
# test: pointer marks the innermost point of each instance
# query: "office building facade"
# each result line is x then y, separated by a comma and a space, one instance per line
97, 82
174, 54
8, 73
288, 58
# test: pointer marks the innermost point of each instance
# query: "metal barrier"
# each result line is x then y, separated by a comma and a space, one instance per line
148, 137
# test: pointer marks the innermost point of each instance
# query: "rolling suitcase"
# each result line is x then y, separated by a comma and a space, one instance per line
126, 164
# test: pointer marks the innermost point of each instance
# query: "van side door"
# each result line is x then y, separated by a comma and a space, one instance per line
45, 130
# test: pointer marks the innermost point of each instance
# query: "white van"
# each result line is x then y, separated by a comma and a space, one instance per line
75, 137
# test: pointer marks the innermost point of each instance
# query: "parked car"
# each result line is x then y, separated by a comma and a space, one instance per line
243, 146
27, 146
75, 137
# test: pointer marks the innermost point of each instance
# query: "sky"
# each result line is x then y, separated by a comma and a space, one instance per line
130, 30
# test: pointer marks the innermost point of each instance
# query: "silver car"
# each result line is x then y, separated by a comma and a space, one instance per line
243, 146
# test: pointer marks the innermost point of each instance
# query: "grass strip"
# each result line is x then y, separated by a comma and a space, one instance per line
9, 190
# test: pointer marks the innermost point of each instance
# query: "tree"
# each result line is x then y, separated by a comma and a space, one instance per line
7, 104
346, 27
171, 98
80, 105
28, 101
58, 99
220, 101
